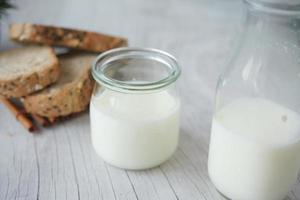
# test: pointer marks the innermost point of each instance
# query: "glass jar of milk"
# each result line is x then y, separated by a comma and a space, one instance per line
254, 151
134, 110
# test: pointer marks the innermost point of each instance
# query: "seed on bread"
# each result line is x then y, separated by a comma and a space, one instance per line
26, 70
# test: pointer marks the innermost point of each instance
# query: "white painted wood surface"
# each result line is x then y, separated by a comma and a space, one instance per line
59, 163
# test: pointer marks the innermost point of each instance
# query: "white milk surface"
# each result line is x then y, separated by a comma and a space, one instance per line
254, 150
134, 131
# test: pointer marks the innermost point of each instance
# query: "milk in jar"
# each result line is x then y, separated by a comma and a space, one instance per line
135, 131
135, 107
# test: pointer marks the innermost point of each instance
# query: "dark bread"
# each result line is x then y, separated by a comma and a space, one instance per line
65, 37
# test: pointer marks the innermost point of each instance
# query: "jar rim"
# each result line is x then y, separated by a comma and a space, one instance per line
101, 63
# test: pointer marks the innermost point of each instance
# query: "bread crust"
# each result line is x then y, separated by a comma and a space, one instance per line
28, 83
65, 37
70, 98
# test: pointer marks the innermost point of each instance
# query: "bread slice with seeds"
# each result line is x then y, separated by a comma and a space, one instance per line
65, 37
70, 94
27, 70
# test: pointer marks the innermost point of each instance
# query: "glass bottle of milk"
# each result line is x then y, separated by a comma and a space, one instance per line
254, 151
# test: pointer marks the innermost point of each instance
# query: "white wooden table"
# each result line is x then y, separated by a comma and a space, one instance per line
60, 163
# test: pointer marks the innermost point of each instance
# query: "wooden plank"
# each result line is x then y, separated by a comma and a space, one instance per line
152, 185
18, 161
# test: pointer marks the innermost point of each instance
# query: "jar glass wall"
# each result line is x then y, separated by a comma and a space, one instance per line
135, 107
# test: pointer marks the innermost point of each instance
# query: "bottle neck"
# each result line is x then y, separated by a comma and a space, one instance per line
280, 6
266, 23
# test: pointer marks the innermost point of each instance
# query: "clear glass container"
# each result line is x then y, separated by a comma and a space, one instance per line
135, 107
254, 151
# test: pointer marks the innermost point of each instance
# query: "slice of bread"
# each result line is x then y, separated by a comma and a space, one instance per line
70, 94
26, 70
65, 37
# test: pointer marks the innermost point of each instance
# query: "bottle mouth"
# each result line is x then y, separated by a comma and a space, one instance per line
131, 69
290, 7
